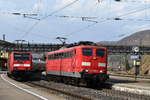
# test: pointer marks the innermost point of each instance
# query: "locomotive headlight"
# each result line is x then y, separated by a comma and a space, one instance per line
102, 64
86, 70
86, 63
27, 65
16, 65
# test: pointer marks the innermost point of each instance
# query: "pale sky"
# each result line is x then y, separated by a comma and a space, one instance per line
66, 18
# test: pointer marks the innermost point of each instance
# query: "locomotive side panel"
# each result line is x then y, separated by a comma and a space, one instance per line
69, 64
53, 64
88, 63
60, 63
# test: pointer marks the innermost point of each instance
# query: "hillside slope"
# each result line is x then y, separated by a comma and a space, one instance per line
139, 38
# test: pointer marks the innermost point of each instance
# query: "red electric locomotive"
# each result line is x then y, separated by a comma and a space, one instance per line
79, 63
19, 64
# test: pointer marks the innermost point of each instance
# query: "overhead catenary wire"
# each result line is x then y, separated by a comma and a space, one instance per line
83, 18
68, 5
138, 29
132, 1
35, 34
39, 3
56, 11
136, 11
88, 26
108, 19
30, 29
51, 14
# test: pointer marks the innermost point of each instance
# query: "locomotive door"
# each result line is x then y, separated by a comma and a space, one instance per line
8, 63
60, 63
94, 60
73, 62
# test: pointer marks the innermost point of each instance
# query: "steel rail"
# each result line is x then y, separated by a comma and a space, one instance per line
131, 76
63, 92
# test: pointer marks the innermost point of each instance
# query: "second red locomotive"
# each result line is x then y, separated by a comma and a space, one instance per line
80, 63
19, 64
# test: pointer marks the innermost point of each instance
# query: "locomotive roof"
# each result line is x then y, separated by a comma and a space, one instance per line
19, 52
71, 48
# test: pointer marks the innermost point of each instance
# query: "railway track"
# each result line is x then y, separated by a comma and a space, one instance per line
132, 76
3, 72
84, 93
56, 90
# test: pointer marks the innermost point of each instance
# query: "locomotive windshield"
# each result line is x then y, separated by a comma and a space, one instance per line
100, 52
21, 56
87, 51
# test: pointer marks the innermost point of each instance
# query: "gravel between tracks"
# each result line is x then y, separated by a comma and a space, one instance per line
96, 94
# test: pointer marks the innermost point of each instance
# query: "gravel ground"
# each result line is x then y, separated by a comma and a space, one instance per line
96, 94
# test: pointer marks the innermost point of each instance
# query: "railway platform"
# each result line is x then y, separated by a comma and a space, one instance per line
12, 90
130, 84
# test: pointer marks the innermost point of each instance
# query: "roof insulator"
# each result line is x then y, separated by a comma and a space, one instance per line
117, 0
117, 19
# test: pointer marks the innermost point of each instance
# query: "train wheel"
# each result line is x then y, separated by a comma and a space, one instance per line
77, 82
66, 80
9, 75
100, 84
89, 83
92, 83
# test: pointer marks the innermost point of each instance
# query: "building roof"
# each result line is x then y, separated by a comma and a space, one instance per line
5, 43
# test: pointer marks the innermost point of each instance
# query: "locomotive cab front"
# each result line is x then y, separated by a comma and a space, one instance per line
94, 63
19, 64
22, 61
